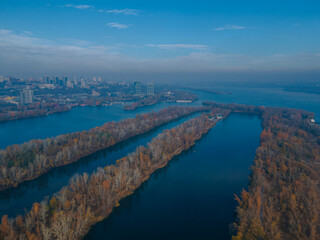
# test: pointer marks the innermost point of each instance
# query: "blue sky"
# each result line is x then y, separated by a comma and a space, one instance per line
39, 37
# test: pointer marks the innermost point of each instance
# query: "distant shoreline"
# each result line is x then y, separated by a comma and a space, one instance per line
311, 91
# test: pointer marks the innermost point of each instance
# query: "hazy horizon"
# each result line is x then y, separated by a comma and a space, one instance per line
150, 39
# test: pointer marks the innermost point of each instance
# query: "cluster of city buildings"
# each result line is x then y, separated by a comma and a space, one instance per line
56, 81
32, 97
63, 90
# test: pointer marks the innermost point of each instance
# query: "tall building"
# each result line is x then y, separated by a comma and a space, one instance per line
150, 88
46, 79
64, 80
70, 84
26, 96
56, 80
137, 88
75, 82
83, 83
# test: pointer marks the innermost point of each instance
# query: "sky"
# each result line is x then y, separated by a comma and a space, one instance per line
89, 38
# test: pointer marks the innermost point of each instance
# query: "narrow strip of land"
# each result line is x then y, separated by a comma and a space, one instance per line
27, 161
282, 201
87, 200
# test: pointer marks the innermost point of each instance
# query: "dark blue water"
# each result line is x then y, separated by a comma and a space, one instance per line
199, 196
78, 119
193, 196
14, 201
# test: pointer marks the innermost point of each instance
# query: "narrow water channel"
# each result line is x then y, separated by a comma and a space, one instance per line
78, 119
193, 196
14, 201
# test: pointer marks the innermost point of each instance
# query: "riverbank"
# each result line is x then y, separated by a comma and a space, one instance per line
114, 183
19, 163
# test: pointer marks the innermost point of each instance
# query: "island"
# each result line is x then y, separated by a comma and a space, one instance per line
89, 199
168, 96
29, 160
282, 201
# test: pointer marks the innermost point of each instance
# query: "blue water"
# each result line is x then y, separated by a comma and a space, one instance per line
78, 119
193, 196
13, 201
84, 118
267, 97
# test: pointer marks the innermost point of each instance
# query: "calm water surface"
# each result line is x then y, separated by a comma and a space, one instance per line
267, 97
78, 119
193, 196
84, 118
14, 201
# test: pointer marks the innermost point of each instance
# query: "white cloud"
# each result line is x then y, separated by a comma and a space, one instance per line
27, 33
4, 31
230, 27
125, 11
117, 25
178, 46
78, 6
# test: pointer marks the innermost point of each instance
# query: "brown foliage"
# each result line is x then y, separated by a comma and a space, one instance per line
87, 200
35, 157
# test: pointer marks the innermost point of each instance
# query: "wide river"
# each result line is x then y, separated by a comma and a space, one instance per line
191, 198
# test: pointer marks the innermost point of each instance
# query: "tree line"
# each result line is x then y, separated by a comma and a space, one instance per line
283, 199
89, 199
29, 160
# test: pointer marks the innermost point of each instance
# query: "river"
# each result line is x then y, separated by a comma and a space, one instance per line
78, 119
84, 118
13, 201
193, 196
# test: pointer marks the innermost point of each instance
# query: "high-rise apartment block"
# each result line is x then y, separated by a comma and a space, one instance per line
150, 88
137, 88
26, 96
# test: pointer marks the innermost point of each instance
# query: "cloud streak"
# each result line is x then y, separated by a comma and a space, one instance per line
117, 25
229, 27
126, 11
178, 46
81, 7
4, 31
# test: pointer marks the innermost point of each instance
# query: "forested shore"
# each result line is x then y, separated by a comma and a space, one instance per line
29, 160
283, 199
89, 199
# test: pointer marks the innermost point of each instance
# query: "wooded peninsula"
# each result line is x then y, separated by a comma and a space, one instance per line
29, 160
89, 199
283, 199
